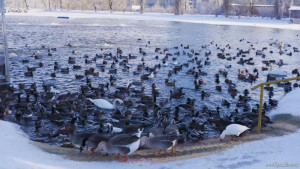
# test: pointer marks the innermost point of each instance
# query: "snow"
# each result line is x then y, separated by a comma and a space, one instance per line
204, 19
295, 8
288, 104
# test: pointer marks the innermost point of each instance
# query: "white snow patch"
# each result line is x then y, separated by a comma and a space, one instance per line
289, 104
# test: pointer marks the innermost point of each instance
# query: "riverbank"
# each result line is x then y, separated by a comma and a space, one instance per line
203, 19
17, 151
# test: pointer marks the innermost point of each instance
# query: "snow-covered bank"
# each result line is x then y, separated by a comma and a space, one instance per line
17, 152
287, 104
205, 19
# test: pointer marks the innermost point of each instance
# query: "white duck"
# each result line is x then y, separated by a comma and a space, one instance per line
52, 90
233, 129
151, 76
104, 104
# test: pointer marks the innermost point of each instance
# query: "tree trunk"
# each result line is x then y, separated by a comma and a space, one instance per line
142, 6
60, 4
226, 7
95, 7
251, 8
45, 4
110, 3
217, 7
26, 4
177, 6
278, 9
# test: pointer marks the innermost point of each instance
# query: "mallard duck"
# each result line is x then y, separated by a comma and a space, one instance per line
122, 144
133, 128
29, 74
147, 76
70, 129
170, 83
64, 70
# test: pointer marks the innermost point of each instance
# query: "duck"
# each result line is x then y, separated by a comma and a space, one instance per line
242, 74
54, 91
147, 76
124, 89
8, 116
104, 104
177, 93
164, 128
121, 144
70, 129
129, 129
64, 70
66, 127
233, 129
29, 74
162, 142
93, 141
170, 83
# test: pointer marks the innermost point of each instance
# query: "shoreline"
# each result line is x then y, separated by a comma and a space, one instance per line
284, 124
187, 18
273, 145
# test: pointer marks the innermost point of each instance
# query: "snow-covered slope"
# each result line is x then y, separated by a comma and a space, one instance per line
289, 104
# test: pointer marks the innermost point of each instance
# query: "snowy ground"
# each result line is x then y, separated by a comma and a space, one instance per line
206, 19
16, 151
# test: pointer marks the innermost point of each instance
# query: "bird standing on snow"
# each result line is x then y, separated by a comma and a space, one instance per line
233, 129
104, 104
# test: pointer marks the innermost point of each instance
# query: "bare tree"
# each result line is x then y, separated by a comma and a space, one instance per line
217, 7
60, 4
227, 6
110, 4
278, 9
49, 2
45, 4
177, 6
26, 4
142, 3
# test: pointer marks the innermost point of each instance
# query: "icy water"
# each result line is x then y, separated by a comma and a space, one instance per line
88, 36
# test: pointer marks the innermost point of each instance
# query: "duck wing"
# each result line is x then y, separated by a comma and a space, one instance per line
172, 129
155, 131
123, 139
104, 104
160, 142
